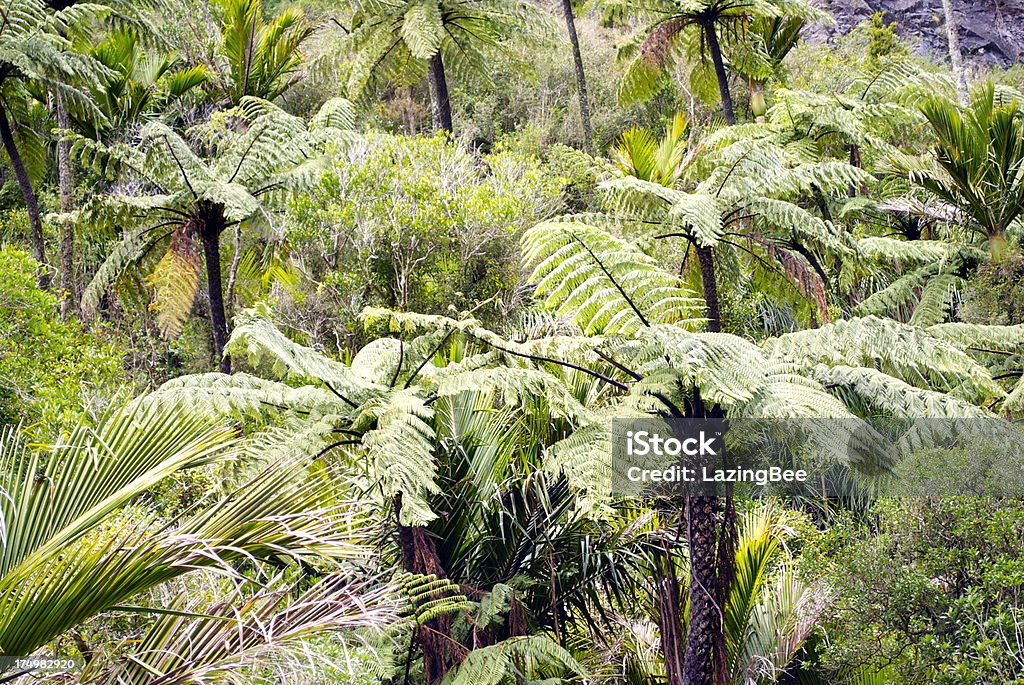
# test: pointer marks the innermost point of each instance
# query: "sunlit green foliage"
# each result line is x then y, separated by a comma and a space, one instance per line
51, 371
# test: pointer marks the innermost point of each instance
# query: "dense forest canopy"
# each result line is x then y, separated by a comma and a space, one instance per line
322, 325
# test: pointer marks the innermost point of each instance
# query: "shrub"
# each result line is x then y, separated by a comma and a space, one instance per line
413, 223
50, 369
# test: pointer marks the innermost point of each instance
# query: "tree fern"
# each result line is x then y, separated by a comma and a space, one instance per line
260, 156
604, 282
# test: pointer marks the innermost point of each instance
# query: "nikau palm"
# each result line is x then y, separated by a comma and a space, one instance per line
70, 552
264, 57
980, 150
197, 197
142, 83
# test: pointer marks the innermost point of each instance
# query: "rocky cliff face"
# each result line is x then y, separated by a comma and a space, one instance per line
991, 31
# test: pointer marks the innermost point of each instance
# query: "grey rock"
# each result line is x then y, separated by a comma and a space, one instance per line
991, 31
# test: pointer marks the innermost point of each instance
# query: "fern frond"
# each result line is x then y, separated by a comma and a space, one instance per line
936, 300
401, 451
175, 283
908, 353
242, 396
127, 252
517, 387
899, 297
606, 284
972, 336
907, 251
895, 397
519, 656
258, 340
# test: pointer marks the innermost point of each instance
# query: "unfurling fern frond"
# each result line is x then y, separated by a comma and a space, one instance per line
175, 282
429, 596
604, 282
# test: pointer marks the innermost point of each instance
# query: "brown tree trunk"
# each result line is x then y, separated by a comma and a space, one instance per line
581, 76
419, 555
723, 78
213, 226
35, 219
705, 624
956, 57
706, 258
66, 187
441, 103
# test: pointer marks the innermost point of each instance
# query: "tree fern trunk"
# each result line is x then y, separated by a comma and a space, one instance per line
956, 58
723, 78
581, 76
35, 220
213, 226
705, 614
66, 186
438, 82
706, 258
419, 555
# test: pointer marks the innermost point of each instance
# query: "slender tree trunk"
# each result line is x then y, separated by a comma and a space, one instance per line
956, 58
670, 624
35, 220
705, 613
66, 186
213, 226
581, 76
419, 555
723, 78
439, 100
706, 258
